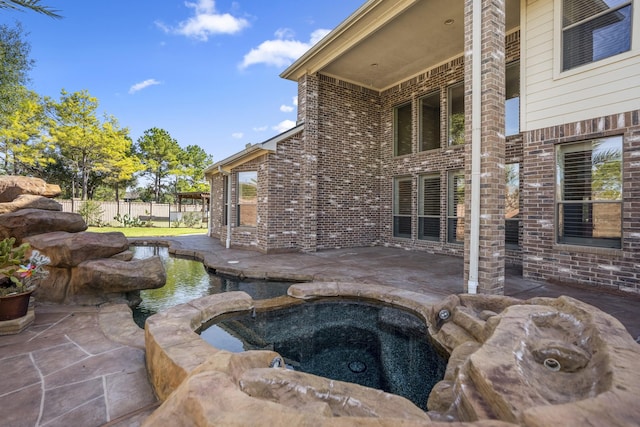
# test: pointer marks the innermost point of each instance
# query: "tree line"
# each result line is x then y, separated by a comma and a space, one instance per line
65, 141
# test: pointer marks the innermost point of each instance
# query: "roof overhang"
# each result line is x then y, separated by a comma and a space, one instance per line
251, 152
386, 42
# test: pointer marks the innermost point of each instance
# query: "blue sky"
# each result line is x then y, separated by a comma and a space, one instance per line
206, 71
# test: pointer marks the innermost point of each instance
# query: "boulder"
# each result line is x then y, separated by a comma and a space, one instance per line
107, 276
12, 186
70, 249
29, 222
28, 201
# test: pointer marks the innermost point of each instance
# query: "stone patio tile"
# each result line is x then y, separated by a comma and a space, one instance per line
17, 372
123, 359
21, 408
128, 392
53, 359
61, 400
91, 414
11, 348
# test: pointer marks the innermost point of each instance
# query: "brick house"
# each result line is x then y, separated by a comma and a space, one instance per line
498, 131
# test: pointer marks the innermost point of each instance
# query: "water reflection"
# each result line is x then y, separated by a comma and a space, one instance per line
188, 279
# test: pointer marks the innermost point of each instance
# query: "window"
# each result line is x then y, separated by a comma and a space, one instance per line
402, 208
402, 130
589, 193
512, 206
225, 199
456, 114
455, 207
430, 122
593, 30
247, 199
512, 104
429, 208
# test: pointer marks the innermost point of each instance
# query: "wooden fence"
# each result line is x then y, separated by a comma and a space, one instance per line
141, 210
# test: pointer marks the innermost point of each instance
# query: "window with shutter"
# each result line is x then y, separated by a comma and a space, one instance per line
402, 207
455, 207
429, 208
589, 193
593, 30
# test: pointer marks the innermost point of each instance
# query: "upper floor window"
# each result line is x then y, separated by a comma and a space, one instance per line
455, 104
402, 129
589, 193
593, 30
247, 199
430, 122
512, 104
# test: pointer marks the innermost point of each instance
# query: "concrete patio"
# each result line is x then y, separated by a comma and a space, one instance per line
84, 366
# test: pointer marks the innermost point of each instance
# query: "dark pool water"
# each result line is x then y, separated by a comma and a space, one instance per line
372, 345
188, 279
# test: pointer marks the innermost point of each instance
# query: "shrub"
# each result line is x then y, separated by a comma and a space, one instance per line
127, 221
92, 213
191, 219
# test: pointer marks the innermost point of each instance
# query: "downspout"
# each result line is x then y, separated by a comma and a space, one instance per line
227, 174
476, 141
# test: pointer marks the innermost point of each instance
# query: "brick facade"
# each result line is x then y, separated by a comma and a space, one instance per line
331, 185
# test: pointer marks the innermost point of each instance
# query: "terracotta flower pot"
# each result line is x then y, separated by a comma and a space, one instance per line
14, 306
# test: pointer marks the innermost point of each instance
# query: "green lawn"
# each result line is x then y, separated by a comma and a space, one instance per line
150, 231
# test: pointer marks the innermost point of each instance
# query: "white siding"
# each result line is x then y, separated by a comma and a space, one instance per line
551, 98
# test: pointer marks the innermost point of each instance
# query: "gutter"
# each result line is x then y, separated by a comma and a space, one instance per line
476, 145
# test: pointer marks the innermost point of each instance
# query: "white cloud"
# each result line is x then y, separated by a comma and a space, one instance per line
286, 108
260, 128
237, 135
282, 51
206, 22
295, 101
142, 85
284, 126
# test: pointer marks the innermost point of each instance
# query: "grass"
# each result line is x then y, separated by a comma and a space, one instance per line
150, 231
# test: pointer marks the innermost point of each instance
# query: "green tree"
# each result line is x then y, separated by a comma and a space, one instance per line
190, 172
33, 5
14, 68
22, 144
95, 151
160, 155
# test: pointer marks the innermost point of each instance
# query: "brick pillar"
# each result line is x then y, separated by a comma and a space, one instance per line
308, 111
492, 181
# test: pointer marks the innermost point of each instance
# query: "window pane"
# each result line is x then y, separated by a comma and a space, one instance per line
430, 122
590, 35
512, 105
402, 127
402, 207
455, 207
429, 209
247, 199
456, 115
590, 193
512, 205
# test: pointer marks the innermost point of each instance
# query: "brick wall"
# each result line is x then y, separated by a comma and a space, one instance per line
543, 258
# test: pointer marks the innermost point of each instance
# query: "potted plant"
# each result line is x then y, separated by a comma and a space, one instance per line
19, 276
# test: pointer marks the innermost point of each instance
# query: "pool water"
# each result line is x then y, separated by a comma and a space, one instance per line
188, 279
372, 345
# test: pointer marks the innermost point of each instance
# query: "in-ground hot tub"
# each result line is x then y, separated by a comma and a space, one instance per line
541, 362
373, 345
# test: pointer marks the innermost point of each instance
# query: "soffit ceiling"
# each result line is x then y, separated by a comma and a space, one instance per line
411, 42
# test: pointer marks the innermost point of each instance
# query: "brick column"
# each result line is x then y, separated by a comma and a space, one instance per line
308, 113
492, 178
